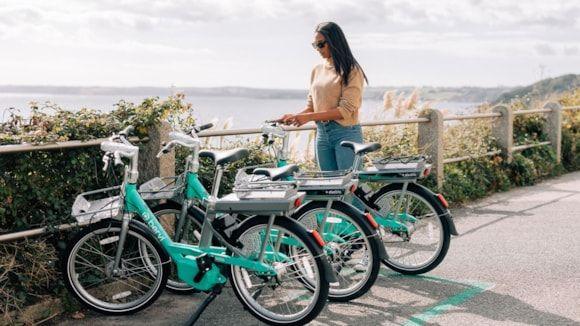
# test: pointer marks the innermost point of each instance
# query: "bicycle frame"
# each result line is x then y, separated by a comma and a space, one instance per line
186, 256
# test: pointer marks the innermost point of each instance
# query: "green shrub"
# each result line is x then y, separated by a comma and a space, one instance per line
38, 188
571, 132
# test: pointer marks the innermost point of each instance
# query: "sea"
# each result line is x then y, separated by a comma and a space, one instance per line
237, 112
225, 112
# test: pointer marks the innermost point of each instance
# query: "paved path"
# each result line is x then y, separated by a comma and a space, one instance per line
516, 262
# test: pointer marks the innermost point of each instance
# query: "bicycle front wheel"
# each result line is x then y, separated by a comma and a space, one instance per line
90, 274
283, 299
424, 247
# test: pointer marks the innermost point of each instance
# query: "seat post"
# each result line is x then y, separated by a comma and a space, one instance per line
357, 162
219, 171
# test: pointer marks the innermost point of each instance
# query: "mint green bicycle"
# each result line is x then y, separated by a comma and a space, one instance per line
415, 223
117, 265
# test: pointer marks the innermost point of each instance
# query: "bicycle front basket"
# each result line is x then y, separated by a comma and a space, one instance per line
162, 188
93, 206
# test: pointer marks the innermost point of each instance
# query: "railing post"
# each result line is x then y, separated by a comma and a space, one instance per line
149, 165
503, 130
554, 128
430, 142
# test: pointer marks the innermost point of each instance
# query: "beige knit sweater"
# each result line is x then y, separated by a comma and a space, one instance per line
327, 92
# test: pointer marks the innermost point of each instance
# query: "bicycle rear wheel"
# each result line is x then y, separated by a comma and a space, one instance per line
88, 268
425, 247
352, 247
283, 299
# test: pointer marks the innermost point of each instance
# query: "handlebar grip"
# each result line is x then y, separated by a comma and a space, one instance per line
163, 151
117, 157
106, 160
127, 131
202, 127
206, 126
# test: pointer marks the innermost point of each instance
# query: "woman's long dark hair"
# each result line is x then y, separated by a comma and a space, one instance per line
343, 59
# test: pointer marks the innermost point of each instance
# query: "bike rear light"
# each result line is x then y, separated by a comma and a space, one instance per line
426, 172
371, 220
297, 202
317, 237
353, 188
442, 200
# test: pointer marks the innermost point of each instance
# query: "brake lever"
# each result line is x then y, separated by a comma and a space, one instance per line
118, 160
165, 149
106, 161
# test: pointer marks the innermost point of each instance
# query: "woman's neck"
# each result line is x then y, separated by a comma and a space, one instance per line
329, 62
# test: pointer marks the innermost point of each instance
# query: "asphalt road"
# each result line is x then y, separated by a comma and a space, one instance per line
516, 262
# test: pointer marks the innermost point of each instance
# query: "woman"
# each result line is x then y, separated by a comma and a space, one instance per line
334, 99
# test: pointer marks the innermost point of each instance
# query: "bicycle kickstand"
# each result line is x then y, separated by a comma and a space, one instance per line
215, 291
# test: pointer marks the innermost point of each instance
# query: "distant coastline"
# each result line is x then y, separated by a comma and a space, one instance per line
540, 90
451, 94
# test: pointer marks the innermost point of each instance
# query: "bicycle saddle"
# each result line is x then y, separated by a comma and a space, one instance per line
359, 148
224, 157
277, 173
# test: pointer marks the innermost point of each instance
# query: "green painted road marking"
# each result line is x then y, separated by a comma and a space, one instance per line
473, 289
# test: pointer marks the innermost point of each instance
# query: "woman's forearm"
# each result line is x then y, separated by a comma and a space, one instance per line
332, 114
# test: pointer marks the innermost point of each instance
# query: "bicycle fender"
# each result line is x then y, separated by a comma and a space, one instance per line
446, 215
449, 218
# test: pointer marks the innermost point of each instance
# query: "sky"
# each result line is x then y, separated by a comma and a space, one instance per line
266, 44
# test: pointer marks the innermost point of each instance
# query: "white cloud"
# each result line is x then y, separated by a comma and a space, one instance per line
247, 39
545, 50
572, 50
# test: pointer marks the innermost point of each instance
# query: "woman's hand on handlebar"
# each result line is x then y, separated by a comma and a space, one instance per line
286, 119
300, 119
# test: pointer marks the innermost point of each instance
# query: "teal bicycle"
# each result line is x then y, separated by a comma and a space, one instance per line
415, 223
118, 265
352, 242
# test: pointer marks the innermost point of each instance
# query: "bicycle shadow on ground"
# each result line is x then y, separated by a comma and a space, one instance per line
417, 300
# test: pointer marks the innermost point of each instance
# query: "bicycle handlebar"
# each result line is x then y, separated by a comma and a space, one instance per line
178, 139
123, 135
167, 147
117, 150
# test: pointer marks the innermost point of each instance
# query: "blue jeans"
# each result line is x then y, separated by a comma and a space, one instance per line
329, 154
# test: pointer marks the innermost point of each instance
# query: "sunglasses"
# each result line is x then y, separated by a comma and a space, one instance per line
319, 45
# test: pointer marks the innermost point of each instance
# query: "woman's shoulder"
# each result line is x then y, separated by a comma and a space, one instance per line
356, 71
356, 74
317, 67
